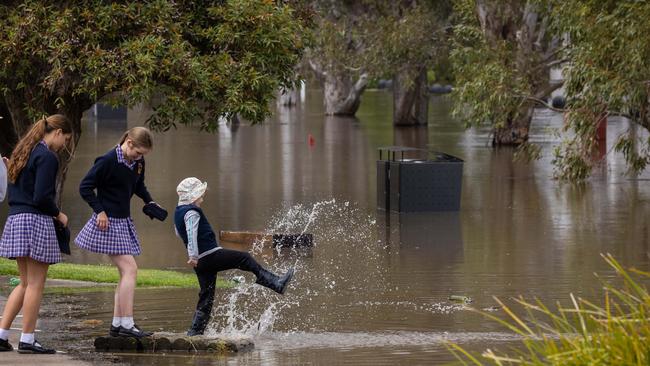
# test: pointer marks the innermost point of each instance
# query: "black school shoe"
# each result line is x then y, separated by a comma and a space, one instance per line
34, 348
5, 346
115, 331
134, 332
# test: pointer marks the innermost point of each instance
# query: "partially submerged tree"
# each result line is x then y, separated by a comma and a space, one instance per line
201, 59
359, 40
502, 54
337, 54
608, 75
407, 39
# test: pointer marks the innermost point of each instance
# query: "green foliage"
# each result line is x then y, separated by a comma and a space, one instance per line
635, 151
608, 73
379, 37
337, 46
408, 37
109, 274
605, 58
497, 72
614, 333
200, 60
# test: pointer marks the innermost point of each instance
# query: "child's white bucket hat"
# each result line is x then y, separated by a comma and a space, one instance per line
189, 190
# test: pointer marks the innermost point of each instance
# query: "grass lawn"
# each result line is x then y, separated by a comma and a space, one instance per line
108, 274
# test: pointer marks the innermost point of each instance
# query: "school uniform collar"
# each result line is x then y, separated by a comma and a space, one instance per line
121, 159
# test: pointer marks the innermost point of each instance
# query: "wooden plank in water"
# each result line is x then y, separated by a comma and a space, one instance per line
243, 240
244, 237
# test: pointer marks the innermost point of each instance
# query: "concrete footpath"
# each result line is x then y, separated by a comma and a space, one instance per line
15, 358
59, 359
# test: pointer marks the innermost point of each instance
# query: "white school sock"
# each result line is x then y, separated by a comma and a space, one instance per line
27, 338
117, 321
127, 322
4, 334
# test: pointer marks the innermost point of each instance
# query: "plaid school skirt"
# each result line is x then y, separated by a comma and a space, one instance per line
30, 235
119, 239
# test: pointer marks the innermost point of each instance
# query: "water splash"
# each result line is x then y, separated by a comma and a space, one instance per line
356, 264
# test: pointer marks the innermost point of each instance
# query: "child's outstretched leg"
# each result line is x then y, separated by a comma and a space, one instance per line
221, 260
224, 259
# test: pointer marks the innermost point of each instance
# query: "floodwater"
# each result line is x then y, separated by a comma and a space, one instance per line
374, 289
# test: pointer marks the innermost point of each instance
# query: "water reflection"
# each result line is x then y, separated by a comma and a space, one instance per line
423, 239
375, 287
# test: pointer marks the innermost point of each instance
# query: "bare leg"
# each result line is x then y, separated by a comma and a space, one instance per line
126, 287
117, 312
36, 275
15, 300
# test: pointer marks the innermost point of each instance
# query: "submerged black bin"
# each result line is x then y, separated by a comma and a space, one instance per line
428, 183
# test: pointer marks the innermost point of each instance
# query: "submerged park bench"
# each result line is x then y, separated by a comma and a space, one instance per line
164, 342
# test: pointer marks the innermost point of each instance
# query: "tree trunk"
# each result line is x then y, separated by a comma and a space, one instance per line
410, 98
73, 108
515, 132
16, 107
342, 94
8, 137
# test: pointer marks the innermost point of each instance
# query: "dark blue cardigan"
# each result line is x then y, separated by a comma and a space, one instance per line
115, 184
35, 188
206, 239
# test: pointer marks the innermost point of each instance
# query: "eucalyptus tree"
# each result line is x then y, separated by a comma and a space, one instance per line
336, 56
359, 40
608, 75
408, 38
502, 54
200, 59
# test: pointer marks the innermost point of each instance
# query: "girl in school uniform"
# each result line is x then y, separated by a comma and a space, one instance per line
108, 188
29, 235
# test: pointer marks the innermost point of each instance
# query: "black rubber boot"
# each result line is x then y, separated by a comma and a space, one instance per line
199, 323
273, 281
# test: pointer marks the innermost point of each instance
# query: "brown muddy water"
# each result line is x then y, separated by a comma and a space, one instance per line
374, 288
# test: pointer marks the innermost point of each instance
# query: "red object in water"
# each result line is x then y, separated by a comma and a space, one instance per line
310, 140
601, 130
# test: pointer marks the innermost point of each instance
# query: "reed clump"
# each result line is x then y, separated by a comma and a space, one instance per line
615, 332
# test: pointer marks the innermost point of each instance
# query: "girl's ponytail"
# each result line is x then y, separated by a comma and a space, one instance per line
24, 148
140, 136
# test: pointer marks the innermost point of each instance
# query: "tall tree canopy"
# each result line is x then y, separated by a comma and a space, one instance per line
201, 60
